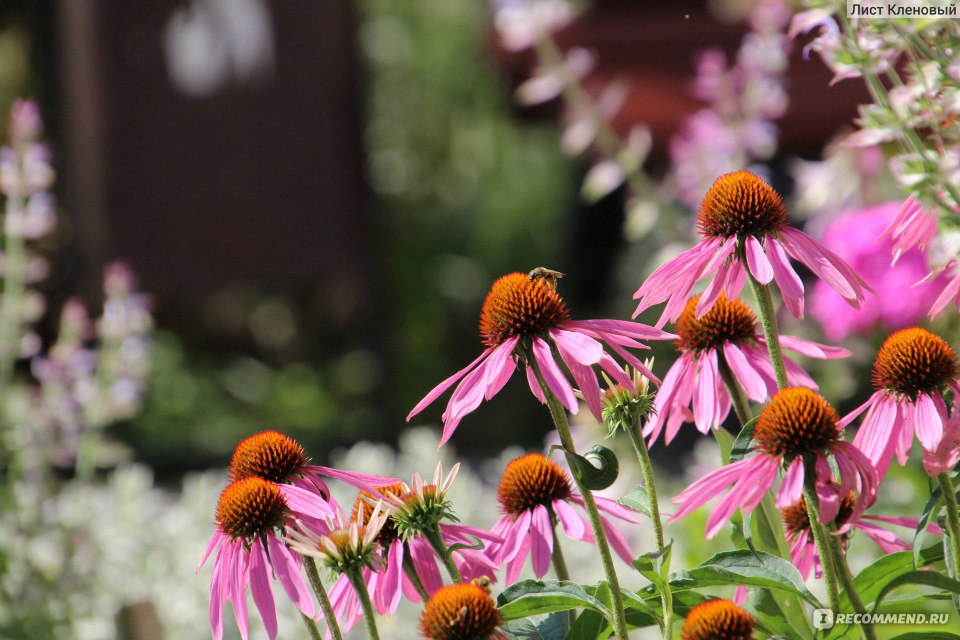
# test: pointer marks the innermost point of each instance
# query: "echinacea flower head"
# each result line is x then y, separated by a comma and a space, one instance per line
535, 494
912, 370
745, 227
524, 322
718, 619
279, 458
461, 612
250, 515
797, 426
803, 548
727, 336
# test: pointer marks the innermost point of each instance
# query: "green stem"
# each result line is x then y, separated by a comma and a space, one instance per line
314, 576
953, 520
560, 566
769, 321
311, 627
646, 469
411, 570
823, 546
559, 416
369, 616
440, 548
741, 404
14, 251
847, 584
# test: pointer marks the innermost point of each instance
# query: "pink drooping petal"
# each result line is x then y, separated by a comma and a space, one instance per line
706, 488
707, 264
500, 367
260, 587
887, 541
949, 294
752, 382
712, 293
626, 328
517, 533
675, 277
516, 565
583, 348
391, 589
570, 520
827, 265
827, 492
535, 386
868, 481
214, 542
587, 382
303, 502
791, 287
757, 261
611, 507
287, 571
553, 376
426, 565
437, 391
850, 417
791, 489
928, 423
812, 349
465, 398
796, 376
879, 433
617, 540
736, 278
631, 360
541, 540
746, 492
664, 399
705, 404
218, 589
464, 531
238, 590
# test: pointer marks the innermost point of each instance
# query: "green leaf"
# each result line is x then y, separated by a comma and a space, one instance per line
928, 578
871, 581
928, 635
589, 625
743, 568
655, 566
743, 445
637, 500
775, 613
532, 597
552, 626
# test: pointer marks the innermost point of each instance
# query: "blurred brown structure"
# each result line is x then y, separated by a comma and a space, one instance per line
215, 141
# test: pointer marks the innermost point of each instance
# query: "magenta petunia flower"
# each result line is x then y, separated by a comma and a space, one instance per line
796, 423
744, 225
912, 370
858, 237
726, 336
803, 548
533, 493
249, 514
523, 319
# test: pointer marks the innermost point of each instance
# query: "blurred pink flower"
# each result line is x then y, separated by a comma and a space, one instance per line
858, 237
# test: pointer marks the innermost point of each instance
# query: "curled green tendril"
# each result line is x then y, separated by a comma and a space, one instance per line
597, 469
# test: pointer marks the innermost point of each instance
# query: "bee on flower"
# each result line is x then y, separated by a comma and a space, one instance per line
525, 324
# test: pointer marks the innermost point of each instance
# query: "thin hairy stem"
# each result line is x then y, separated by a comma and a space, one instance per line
847, 584
953, 520
410, 570
314, 576
823, 546
440, 548
768, 319
369, 615
558, 413
741, 404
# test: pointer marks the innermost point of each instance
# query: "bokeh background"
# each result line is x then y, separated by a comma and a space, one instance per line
316, 196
